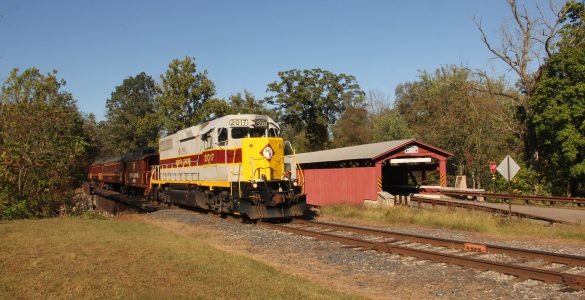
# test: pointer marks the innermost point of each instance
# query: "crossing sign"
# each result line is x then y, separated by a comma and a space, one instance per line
508, 168
493, 166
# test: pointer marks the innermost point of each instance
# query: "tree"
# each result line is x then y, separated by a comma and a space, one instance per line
444, 109
523, 48
558, 106
130, 114
390, 125
184, 92
42, 146
310, 101
378, 102
90, 128
215, 108
248, 104
353, 128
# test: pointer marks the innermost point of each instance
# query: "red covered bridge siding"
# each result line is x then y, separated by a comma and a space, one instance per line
354, 174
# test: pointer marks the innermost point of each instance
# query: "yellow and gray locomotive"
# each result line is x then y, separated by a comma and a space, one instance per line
233, 164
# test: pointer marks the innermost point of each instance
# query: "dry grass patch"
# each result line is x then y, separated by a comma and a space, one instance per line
73, 258
458, 219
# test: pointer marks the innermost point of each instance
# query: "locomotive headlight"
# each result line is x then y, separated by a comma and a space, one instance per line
255, 184
295, 183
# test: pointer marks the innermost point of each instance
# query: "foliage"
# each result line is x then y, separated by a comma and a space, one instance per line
353, 128
248, 104
42, 146
310, 101
526, 182
522, 48
214, 108
444, 109
131, 116
573, 31
184, 92
237, 104
558, 112
390, 125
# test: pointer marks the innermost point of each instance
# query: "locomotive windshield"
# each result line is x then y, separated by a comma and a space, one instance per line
242, 132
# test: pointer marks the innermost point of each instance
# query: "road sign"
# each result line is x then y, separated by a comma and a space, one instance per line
508, 168
493, 166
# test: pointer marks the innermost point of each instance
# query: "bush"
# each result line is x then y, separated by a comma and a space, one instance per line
42, 146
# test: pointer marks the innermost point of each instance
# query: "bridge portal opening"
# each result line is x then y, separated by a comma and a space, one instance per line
408, 175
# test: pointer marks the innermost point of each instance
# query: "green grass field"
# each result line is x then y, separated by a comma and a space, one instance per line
458, 219
74, 258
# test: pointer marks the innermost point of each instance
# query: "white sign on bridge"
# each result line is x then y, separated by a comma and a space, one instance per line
508, 168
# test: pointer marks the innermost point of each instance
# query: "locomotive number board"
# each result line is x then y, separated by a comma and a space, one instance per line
246, 122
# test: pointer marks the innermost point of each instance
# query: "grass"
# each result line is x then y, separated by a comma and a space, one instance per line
458, 219
88, 258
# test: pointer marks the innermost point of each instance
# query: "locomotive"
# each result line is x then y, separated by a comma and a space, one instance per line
231, 165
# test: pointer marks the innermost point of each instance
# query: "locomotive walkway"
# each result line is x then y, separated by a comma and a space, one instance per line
563, 215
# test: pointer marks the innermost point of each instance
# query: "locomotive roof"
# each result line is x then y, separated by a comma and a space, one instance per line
205, 127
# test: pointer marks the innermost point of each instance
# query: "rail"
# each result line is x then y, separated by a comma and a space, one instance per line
572, 260
551, 199
394, 246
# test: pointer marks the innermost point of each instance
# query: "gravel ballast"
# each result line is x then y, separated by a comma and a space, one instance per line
369, 273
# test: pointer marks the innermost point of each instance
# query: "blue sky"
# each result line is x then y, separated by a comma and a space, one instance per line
95, 45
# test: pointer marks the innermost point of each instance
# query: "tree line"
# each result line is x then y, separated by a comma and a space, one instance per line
46, 143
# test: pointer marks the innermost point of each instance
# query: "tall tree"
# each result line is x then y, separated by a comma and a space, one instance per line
352, 128
248, 104
42, 145
522, 48
215, 108
310, 101
390, 125
444, 109
184, 92
558, 106
130, 114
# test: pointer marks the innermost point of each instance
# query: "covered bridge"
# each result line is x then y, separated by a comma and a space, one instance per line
357, 173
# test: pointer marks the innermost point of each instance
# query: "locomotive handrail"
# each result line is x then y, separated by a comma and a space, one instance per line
299, 169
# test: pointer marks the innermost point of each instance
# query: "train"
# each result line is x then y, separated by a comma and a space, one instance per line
234, 164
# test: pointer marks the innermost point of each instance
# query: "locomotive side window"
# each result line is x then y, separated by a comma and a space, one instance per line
207, 140
222, 135
273, 132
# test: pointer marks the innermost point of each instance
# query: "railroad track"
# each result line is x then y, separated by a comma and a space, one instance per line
549, 267
466, 254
